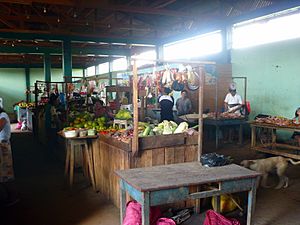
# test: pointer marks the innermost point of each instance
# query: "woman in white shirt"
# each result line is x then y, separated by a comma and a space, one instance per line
6, 162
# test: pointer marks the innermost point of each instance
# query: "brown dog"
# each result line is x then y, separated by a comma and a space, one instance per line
265, 166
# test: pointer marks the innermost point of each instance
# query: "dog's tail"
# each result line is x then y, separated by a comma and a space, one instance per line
293, 162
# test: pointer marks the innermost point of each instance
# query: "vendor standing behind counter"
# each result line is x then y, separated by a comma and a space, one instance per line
233, 101
166, 103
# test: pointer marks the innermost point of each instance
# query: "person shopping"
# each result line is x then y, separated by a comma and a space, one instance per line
166, 103
183, 104
296, 120
7, 179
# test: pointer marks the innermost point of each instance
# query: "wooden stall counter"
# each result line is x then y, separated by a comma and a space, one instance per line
110, 154
266, 132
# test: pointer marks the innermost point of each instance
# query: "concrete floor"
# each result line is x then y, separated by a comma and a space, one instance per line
46, 199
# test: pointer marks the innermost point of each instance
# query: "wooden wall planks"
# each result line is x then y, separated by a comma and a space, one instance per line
111, 158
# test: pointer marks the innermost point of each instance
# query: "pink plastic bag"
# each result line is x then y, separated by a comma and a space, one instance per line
165, 221
133, 214
214, 218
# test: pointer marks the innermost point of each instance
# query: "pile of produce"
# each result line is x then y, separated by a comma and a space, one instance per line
123, 135
123, 114
25, 105
277, 120
223, 115
146, 129
86, 120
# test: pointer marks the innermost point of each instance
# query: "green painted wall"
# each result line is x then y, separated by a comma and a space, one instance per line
13, 83
56, 75
12, 87
273, 72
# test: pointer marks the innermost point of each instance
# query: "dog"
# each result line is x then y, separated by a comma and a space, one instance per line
265, 166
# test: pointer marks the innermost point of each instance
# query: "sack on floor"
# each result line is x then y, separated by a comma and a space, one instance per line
214, 218
133, 214
165, 221
214, 159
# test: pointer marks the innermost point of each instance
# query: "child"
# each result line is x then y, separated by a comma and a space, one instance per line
296, 120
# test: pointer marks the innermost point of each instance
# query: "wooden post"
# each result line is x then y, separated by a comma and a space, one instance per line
200, 122
200, 110
135, 138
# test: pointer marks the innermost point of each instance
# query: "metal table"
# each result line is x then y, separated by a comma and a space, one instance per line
225, 122
159, 185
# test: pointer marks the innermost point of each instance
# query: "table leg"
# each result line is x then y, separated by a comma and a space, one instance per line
146, 209
251, 200
253, 136
217, 203
67, 158
273, 138
72, 154
122, 203
241, 134
217, 136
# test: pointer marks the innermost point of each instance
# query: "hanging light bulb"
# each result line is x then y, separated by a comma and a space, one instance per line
58, 20
45, 10
75, 15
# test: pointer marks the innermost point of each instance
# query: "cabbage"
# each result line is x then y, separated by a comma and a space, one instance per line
158, 130
167, 127
182, 127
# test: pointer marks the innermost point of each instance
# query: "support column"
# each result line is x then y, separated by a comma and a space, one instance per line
47, 67
159, 52
226, 44
110, 72
97, 72
128, 59
27, 78
67, 60
83, 73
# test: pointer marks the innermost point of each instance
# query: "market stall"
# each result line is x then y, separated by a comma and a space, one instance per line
264, 135
111, 154
143, 143
222, 117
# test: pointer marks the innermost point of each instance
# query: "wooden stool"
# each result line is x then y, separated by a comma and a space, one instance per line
87, 160
121, 123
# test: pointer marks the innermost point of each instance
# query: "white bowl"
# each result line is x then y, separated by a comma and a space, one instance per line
82, 133
91, 132
71, 133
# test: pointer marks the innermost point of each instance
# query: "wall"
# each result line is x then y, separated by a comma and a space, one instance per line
13, 83
12, 87
273, 72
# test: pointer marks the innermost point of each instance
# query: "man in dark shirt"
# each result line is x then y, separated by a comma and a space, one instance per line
166, 103
183, 104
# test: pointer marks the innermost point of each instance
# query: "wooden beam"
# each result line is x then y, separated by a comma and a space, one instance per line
24, 34
135, 138
58, 51
52, 21
162, 3
9, 24
108, 7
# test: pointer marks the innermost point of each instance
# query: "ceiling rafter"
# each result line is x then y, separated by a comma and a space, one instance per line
9, 9
108, 7
53, 20
7, 23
